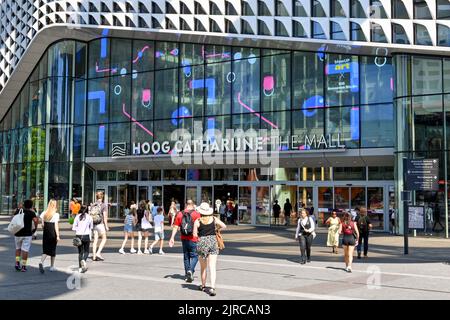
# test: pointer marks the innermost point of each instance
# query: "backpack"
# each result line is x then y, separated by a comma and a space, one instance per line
96, 213
362, 223
17, 223
187, 225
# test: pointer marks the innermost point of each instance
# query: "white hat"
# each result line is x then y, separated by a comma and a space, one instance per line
204, 209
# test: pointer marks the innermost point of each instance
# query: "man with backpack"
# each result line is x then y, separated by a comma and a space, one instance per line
185, 222
364, 227
99, 214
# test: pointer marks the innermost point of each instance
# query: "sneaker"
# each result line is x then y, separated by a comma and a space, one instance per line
23, 269
52, 269
161, 252
349, 270
146, 251
309, 260
190, 276
139, 252
133, 251
121, 251
80, 270
41, 268
17, 266
212, 292
83, 264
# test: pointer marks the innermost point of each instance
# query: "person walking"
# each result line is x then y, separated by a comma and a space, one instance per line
50, 237
99, 214
207, 248
128, 230
83, 226
287, 210
184, 222
146, 226
172, 213
351, 235
276, 209
222, 211
140, 214
364, 227
305, 235
159, 231
23, 237
75, 207
333, 223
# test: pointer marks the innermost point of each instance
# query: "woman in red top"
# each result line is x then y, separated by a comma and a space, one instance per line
351, 234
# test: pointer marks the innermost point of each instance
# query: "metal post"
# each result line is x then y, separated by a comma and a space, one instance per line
405, 224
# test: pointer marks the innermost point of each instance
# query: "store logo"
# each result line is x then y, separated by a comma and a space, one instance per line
119, 149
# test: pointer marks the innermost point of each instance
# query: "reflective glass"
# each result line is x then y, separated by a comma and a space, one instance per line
377, 82
275, 82
342, 80
246, 85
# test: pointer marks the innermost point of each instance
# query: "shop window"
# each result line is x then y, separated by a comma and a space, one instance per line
381, 173
179, 175
226, 174
198, 175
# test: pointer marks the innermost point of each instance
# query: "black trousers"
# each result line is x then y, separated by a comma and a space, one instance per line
363, 236
305, 246
83, 250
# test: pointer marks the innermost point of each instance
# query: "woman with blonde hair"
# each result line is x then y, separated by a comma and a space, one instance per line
50, 238
207, 246
172, 213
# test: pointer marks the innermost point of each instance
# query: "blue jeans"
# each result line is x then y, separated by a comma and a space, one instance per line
190, 255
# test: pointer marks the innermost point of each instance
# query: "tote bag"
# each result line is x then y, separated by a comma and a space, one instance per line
16, 223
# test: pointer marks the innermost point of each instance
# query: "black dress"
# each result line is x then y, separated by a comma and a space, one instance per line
49, 239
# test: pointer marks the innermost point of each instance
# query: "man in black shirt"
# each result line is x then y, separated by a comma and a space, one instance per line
364, 226
276, 211
287, 212
23, 238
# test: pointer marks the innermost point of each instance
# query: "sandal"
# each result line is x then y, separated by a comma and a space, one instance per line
201, 288
212, 292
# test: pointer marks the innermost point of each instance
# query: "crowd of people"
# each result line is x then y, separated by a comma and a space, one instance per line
198, 226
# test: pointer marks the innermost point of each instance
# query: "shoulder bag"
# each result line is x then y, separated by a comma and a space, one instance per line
219, 238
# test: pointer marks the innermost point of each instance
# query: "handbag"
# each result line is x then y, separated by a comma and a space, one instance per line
17, 223
71, 220
76, 242
219, 238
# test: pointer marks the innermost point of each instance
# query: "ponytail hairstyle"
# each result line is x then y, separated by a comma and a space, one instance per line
347, 218
83, 210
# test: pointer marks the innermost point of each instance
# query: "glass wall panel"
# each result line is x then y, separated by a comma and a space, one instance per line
60, 143
79, 104
428, 123
80, 60
61, 92
119, 133
349, 173
341, 198
375, 208
426, 75
166, 95
121, 56
143, 96
98, 102
246, 85
166, 55
308, 122
219, 89
143, 55
342, 74
198, 174
345, 122
377, 126
60, 59
358, 197
226, 174
120, 104
263, 208
193, 86
381, 173
276, 82
99, 61
377, 83
97, 140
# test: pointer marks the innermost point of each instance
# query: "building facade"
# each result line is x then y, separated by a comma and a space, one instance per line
104, 95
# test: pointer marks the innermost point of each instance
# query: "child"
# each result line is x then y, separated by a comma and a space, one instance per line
128, 229
159, 230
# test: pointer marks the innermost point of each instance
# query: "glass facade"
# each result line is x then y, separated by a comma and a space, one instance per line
422, 109
83, 97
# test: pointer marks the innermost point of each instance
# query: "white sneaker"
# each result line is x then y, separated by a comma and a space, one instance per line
133, 251
139, 252
146, 251
161, 252
151, 250
121, 251
52, 269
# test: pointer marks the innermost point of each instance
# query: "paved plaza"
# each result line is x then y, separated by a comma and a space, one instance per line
258, 263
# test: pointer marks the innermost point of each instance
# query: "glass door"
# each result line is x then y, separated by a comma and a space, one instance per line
143, 194
286, 197
191, 193
206, 195
325, 204
375, 208
263, 207
157, 195
245, 205
111, 198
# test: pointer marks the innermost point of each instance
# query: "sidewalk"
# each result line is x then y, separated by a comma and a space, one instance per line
257, 263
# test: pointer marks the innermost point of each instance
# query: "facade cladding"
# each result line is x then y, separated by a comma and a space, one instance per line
85, 96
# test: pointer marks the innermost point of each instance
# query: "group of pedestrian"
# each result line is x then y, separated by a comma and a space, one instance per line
355, 231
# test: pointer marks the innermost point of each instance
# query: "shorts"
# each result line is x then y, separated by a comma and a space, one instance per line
137, 227
100, 228
159, 235
23, 243
348, 240
128, 228
146, 230
206, 246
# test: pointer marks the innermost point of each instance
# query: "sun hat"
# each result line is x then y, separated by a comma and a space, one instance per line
204, 209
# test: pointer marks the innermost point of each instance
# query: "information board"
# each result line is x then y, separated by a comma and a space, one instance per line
416, 216
422, 174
